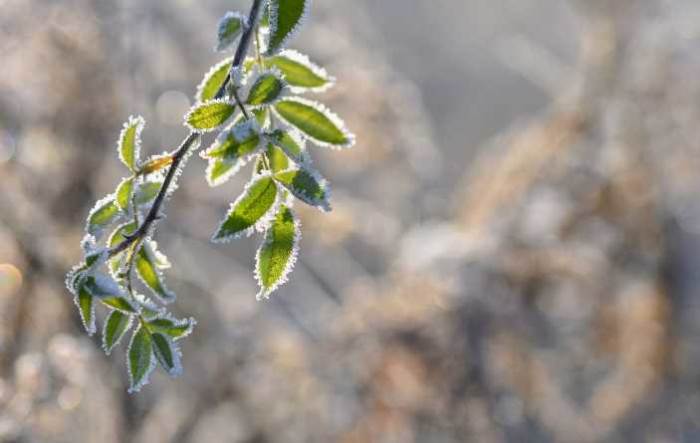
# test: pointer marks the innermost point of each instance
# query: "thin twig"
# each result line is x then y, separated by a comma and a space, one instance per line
182, 151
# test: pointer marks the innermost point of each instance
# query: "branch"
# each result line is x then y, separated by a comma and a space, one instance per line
181, 153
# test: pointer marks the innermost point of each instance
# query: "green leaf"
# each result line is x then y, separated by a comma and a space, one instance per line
146, 263
277, 255
124, 192
108, 292
86, 306
265, 19
130, 142
76, 277
213, 80
102, 287
175, 329
120, 233
167, 353
306, 185
231, 151
286, 17
104, 213
277, 158
290, 143
300, 73
119, 303
148, 308
147, 192
249, 210
262, 116
117, 236
116, 325
265, 89
210, 116
230, 27
140, 360
315, 121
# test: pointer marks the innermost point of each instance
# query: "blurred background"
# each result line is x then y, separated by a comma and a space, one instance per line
513, 254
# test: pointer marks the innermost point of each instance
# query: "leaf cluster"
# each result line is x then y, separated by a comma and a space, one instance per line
254, 107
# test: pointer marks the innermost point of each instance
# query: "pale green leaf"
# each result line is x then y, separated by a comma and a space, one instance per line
277, 158
119, 303
231, 151
147, 192
306, 185
262, 116
175, 329
231, 27
140, 359
300, 73
315, 121
248, 210
146, 264
286, 17
213, 80
116, 326
290, 143
210, 116
124, 192
130, 142
104, 213
277, 255
118, 236
265, 88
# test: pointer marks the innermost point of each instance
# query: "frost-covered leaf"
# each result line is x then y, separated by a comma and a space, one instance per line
277, 158
262, 116
149, 310
104, 213
232, 149
76, 277
306, 185
277, 255
147, 192
86, 306
265, 88
167, 353
119, 303
160, 259
116, 326
286, 17
117, 236
231, 26
290, 143
175, 329
315, 121
300, 73
108, 292
210, 115
140, 361
155, 164
213, 80
248, 210
130, 142
147, 268
124, 192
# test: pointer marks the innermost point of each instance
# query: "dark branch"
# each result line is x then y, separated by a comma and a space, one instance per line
182, 151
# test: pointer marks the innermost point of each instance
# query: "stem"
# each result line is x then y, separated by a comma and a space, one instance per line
193, 137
